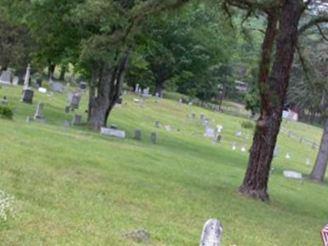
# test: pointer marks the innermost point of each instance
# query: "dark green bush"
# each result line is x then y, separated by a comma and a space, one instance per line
6, 112
248, 125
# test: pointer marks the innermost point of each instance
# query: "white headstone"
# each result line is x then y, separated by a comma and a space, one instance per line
292, 175
27, 77
42, 90
209, 132
112, 132
6, 77
212, 233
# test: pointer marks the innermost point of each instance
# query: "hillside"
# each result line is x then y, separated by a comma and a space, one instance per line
75, 187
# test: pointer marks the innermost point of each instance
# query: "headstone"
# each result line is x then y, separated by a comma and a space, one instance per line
39, 112
137, 88
77, 120
6, 77
145, 92
209, 132
292, 174
75, 100
138, 236
27, 77
29, 119
202, 116
308, 162
137, 134
15, 80
4, 101
57, 87
83, 85
234, 147
157, 124
153, 137
38, 83
67, 124
112, 132
324, 235
238, 134
219, 128
193, 115
67, 109
217, 138
42, 90
212, 233
28, 96
168, 128
276, 151
119, 100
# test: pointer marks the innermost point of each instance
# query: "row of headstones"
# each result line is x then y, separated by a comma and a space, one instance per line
301, 139
39, 116
114, 132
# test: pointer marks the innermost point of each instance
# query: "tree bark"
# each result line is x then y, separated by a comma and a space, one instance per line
159, 86
104, 94
320, 167
273, 94
51, 70
62, 72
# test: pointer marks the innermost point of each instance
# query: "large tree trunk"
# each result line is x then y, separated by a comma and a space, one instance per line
105, 92
319, 170
63, 70
273, 93
51, 70
159, 86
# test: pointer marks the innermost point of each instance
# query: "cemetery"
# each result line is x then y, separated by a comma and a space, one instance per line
151, 122
133, 182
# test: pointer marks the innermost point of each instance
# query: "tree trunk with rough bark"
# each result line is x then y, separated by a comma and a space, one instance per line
320, 167
104, 92
273, 91
63, 70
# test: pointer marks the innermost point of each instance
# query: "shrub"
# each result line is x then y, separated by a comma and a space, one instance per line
6, 112
248, 125
175, 96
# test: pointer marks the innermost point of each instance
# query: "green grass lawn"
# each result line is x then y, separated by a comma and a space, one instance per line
75, 187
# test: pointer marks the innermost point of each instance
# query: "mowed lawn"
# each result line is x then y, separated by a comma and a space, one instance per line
75, 187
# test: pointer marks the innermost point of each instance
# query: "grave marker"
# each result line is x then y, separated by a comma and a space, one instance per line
6, 77
39, 112
153, 138
137, 134
324, 235
112, 132
77, 120
292, 174
212, 233
27, 96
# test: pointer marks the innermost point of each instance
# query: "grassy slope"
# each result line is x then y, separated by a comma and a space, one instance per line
74, 187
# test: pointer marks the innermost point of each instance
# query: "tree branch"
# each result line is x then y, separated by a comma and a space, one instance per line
313, 22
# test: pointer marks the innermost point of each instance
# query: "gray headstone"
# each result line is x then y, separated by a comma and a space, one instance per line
153, 137
157, 124
67, 124
137, 134
39, 112
67, 109
83, 86
77, 120
193, 115
28, 96
4, 101
75, 100
6, 77
57, 87
212, 233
